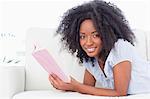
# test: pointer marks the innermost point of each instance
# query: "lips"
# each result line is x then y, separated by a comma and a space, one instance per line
90, 50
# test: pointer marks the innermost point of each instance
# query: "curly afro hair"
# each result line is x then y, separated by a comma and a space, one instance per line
108, 20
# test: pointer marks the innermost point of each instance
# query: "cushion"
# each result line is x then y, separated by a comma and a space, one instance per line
47, 94
57, 94
140, 42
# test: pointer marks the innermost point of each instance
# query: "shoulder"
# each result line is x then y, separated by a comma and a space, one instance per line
122, 46
122, 50
121, 43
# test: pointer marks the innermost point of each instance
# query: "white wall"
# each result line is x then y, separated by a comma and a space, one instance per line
17, 16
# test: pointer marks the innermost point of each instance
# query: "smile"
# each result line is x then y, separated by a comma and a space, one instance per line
90, 49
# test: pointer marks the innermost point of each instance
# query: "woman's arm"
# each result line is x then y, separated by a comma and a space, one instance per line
121, 72
88, 78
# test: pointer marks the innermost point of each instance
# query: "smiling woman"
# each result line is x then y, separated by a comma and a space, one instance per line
90, 39
99, 35
39, 19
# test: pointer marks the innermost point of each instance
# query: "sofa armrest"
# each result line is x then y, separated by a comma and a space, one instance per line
12, 80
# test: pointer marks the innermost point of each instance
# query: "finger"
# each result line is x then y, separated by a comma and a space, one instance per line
51, 78
72, 79
54, 82
56, 78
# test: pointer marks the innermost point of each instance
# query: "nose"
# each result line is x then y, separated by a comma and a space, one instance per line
89, 41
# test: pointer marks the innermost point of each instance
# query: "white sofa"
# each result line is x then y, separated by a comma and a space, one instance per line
31, 81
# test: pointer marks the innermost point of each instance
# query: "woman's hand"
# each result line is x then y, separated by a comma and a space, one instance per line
61, 85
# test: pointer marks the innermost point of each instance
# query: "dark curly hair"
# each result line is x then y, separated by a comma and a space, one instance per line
108, 20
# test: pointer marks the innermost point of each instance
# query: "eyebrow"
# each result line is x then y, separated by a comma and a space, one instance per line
94, 32
91, 32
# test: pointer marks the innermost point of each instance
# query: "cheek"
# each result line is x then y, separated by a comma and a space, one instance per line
81, 43
99, 43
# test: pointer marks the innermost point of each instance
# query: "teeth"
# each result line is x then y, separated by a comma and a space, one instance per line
90, 49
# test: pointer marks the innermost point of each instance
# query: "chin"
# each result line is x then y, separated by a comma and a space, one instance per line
91, 54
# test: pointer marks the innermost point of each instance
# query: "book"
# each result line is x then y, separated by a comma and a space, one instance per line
46, 60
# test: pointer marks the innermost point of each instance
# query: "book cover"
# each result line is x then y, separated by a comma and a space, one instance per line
44, 58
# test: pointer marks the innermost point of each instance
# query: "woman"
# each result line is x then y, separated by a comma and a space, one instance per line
99, 35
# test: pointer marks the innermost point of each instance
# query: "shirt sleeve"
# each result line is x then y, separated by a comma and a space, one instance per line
122, 51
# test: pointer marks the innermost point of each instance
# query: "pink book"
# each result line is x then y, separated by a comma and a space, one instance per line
48, 63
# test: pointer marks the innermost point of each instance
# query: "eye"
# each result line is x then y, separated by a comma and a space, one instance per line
82, 36
95, 34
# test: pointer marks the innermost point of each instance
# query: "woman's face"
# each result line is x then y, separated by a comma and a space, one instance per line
90, 40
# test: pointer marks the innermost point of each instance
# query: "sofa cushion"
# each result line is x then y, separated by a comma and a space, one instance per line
56, 94
47, 94
12, 80
141, 43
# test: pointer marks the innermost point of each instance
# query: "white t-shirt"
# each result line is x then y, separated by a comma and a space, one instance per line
140, 73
